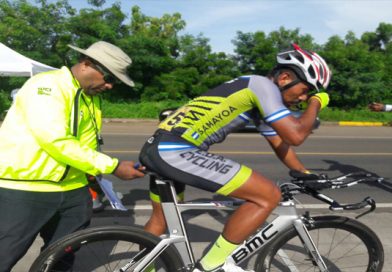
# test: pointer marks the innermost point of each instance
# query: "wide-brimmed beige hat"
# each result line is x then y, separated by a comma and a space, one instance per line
111, 57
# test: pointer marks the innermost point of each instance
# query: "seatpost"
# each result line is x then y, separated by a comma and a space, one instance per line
174, 220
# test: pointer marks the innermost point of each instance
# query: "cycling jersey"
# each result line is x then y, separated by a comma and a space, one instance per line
178, 150
208, 119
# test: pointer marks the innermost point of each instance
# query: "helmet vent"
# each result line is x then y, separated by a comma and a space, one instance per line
311, 71
300, 58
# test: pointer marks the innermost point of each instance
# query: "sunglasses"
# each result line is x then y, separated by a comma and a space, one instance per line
107, 76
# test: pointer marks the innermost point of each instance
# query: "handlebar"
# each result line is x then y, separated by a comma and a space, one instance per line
311, 184
368, 201
320, 182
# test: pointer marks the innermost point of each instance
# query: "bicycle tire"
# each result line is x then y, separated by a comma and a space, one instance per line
344, 244
106, 248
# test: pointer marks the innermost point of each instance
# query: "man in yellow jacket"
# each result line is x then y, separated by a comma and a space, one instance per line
49, 141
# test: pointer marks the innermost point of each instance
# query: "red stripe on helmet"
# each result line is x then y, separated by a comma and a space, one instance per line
296, 47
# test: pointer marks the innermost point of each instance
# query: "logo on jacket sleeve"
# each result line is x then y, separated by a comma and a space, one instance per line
44, 91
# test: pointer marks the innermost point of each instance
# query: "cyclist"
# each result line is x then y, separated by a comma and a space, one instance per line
179, 148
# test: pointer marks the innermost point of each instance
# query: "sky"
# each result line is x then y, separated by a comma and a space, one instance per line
219, 20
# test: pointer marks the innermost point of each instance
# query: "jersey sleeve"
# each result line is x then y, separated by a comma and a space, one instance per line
266, 130
268, 99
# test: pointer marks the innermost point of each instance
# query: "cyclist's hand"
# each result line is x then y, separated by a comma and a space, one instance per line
310, 175
126, 170
322, 98
303, 175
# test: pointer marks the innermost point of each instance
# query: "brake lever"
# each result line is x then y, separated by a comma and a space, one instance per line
372, 204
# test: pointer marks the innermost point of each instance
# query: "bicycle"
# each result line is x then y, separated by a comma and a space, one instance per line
291, 242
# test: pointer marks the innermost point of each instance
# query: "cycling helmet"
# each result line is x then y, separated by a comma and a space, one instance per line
309, 66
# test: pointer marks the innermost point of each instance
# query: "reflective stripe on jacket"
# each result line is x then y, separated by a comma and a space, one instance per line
48, 139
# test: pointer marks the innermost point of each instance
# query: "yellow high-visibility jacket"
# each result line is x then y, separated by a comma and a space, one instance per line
48, 139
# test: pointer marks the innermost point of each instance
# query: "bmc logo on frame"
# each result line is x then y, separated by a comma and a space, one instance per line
253, 244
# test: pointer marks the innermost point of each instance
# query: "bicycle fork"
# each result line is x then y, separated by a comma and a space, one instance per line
309, 245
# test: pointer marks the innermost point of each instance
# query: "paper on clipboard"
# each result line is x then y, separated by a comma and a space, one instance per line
107, 187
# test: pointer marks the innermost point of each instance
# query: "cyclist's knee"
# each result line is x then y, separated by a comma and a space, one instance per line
270, 201
275, 196
259, 190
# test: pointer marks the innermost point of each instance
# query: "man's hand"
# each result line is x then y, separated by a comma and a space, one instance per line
126, 170
376, 106
322, 98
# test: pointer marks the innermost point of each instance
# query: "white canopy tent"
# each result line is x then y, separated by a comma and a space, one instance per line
14, 64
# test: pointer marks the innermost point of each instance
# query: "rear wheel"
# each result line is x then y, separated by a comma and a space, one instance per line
104, 249
343, 243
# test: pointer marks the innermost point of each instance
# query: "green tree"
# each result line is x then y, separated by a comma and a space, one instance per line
152, 44
213, 68
39, 32
167, 65
197, 69
357, 71
256, 52
91, 25
36, 31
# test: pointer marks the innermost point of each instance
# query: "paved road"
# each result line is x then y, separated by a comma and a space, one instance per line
331, 149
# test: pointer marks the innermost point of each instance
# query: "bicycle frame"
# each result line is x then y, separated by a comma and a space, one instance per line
286, 213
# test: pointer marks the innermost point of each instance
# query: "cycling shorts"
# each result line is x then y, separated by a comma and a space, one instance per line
178, 160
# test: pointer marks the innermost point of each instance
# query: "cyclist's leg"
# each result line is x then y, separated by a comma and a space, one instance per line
261, 196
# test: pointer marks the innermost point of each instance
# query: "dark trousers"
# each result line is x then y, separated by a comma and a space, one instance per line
24, 215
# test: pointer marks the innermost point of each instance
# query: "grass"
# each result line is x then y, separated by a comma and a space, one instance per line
150, 110
355, 115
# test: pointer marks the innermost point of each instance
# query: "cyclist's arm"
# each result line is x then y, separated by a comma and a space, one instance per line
294, 130
285, 153
267, 97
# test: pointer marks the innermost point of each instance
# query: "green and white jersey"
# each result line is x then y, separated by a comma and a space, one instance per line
209, 118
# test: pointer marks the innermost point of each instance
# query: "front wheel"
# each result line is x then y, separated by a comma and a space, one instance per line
343, 243
101, 249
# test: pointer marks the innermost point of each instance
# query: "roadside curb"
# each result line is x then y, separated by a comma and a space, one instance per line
362, 124
128, 120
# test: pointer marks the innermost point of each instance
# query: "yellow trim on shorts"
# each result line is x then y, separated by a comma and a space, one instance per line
156, 198
236, 182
